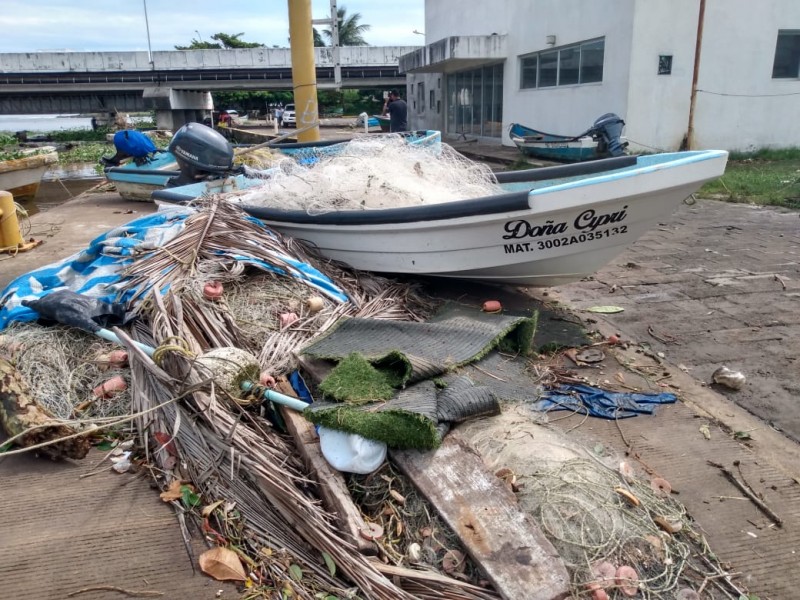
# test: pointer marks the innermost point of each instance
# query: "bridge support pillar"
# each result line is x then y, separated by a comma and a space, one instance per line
175, 108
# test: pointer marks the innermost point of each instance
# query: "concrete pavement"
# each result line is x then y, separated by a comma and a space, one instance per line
701, 289
717, 285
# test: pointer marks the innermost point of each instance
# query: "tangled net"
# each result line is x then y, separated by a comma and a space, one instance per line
62, 366
589, 522
374, 174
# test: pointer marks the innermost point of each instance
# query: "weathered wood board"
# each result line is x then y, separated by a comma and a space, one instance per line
501, 538
332, 487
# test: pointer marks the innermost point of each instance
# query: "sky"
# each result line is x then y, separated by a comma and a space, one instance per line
95, 25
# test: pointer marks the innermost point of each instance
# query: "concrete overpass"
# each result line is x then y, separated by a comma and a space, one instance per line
68, 82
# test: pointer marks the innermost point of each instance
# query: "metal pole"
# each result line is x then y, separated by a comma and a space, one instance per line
304, 75
695, 74
337, 66
147, 25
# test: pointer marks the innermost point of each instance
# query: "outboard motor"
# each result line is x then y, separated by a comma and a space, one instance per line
607, 130
201, 152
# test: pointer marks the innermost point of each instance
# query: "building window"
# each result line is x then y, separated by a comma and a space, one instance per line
787, 55
474, 102
664, 64
421, 96
432, 102
570, 65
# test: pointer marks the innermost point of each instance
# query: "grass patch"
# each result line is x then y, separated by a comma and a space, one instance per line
84, 153
396, 428
768, 177
79, 135
356, 381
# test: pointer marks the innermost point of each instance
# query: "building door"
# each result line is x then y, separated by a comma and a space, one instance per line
475, 102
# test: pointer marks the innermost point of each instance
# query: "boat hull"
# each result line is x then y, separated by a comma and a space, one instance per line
565, 233
138, 183
574, 151
550, 146
22, 176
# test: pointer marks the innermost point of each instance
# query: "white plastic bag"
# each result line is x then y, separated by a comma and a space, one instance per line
349, 452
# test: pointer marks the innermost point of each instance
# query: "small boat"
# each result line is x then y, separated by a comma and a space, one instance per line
137, 182
601, 140
382, 120
21, 174
551, 226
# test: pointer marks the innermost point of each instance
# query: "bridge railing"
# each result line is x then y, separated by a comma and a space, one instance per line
182, 60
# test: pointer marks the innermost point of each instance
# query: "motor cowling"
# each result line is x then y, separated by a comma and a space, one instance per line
201, 153
607, 130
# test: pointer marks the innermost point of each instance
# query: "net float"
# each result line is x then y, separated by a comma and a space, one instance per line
492, 306
212, 290
110, 387
315, 304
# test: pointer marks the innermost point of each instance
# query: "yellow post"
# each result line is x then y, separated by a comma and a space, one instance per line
304, 75
10, 237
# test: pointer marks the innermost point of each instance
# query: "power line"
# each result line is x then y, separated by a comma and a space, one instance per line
749, 95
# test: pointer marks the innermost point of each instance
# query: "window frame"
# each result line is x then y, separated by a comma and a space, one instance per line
793, 33
530, 66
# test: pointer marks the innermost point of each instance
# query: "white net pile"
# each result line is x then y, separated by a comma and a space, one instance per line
62, 366
374, 174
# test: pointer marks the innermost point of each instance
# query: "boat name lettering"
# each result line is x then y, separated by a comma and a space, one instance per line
520, 228
182, 152
566, 240
589, 220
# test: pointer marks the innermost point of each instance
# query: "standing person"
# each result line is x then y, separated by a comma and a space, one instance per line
279, 115
397, 109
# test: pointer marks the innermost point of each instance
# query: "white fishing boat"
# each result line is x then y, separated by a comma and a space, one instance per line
551, 225
22, 173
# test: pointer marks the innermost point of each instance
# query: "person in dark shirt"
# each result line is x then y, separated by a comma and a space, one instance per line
397, 109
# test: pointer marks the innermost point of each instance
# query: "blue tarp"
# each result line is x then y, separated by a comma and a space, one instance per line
585, 399
96, 271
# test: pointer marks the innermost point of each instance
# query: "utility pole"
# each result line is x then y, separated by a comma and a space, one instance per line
304, 75
147, 25
334, 24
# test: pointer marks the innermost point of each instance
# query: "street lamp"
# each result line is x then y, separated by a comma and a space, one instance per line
147, 25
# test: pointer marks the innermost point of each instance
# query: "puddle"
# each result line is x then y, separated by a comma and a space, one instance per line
61, 183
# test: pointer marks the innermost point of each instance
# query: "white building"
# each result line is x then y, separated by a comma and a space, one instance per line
556, 65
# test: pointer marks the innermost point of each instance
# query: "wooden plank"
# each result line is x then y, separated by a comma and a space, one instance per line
501, 538
332, 487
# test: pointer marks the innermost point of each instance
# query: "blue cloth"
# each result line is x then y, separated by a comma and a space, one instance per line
134, 143
585, 399
96, 271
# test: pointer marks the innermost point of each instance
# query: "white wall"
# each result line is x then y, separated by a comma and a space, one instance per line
738, 105
738, 51
658, 105
567, 110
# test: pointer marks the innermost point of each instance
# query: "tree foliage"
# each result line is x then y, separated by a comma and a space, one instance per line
351, 32
223, 41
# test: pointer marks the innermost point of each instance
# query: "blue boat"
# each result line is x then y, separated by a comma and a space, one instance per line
601, 140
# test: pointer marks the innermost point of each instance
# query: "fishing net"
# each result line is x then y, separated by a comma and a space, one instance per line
581, 499
62, 366
374, 174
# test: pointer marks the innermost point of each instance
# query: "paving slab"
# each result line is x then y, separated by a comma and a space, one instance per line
63, 533
733, 277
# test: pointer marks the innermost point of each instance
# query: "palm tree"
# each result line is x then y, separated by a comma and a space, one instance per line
318, 41
350, 32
